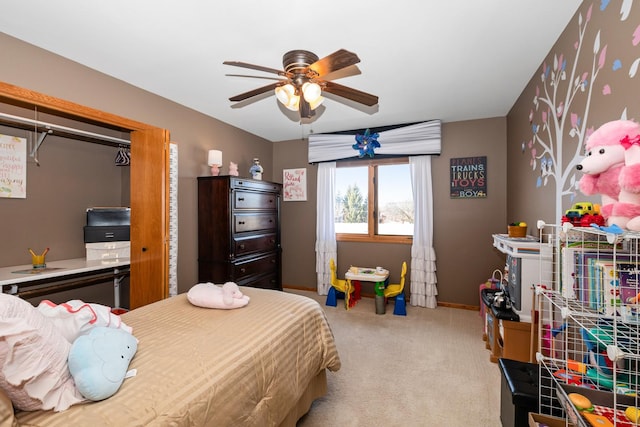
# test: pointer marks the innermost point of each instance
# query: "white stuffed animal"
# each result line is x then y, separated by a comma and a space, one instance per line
209, 295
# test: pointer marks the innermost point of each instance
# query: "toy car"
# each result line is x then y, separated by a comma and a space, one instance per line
583, 214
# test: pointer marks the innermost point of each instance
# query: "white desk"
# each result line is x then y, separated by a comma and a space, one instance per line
367, 274
25, 281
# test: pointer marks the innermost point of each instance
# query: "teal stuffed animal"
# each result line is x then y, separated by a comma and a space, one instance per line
99, 360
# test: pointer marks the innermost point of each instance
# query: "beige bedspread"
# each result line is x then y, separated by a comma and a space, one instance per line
208, 367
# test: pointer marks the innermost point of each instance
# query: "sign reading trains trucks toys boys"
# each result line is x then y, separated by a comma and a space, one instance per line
468, 177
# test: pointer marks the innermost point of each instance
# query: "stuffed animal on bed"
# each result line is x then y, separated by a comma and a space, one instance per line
99, 360
209, 295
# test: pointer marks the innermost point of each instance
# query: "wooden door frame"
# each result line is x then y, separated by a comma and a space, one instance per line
149, 280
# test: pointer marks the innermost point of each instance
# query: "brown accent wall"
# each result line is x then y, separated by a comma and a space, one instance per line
462, 228
58, 193
615, 93
75, 175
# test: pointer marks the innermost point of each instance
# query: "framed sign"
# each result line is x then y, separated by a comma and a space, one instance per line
468, 177
13, 167
294, 185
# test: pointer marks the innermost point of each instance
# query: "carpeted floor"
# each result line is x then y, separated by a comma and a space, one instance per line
430, 368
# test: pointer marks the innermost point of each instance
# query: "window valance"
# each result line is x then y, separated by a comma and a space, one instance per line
411, 140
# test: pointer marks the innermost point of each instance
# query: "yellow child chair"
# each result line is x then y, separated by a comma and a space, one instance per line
338, 288
397, 290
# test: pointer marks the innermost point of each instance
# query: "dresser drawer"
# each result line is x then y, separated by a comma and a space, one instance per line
252, 200
269, 281
262, 243
255, 266
238, 183
253, 222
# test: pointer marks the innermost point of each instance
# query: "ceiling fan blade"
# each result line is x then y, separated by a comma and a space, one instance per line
336, 61
258, 77
255, 67
254, 92
350, 93
305, 109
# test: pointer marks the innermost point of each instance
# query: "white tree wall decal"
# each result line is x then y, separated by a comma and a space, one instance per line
563, 99
554, 117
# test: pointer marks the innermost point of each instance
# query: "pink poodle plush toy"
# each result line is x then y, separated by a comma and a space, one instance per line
627, 211
603, 163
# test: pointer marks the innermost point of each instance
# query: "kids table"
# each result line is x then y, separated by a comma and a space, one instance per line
379, 276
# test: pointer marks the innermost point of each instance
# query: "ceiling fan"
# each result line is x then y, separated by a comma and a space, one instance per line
302, 81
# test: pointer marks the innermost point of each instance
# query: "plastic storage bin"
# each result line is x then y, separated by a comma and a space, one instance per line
108, 250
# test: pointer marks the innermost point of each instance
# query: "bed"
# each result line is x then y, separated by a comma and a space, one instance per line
262, 364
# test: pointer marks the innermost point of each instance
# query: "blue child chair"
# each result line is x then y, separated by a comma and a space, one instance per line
396, 290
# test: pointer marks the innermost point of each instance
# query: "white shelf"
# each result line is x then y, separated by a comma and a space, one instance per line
522, 247
584, 341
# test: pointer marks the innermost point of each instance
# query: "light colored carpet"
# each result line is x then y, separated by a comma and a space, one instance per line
430, 368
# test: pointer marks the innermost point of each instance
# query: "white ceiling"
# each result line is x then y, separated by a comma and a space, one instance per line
425, 59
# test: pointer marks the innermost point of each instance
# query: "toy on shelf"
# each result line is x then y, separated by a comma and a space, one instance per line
598, 366
568, 378
583, 214
551, 341
517, 229
626, 211
233, 169
256, 169
603, 164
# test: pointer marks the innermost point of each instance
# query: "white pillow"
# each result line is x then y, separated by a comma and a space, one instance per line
74, 318
33, 359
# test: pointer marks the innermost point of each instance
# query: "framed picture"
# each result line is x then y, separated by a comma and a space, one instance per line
468, 177
294, 185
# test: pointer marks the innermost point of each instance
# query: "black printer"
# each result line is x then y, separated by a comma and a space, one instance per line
107, 224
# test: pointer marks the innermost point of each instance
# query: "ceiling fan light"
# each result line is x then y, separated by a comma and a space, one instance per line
294, 103
311, 91
281, 94
285, 93
315, 104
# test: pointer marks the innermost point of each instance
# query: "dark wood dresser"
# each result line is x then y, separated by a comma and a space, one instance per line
239, 231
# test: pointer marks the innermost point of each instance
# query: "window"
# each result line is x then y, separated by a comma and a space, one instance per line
374, 201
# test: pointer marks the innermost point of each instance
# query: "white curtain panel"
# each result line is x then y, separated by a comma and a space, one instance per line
326, 247
423, 256
418, 139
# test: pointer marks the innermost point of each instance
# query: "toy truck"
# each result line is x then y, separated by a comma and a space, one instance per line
583, 214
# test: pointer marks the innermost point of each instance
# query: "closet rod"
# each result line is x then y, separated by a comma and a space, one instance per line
66, 130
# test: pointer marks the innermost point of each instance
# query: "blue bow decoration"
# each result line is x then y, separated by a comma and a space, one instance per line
366, 143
